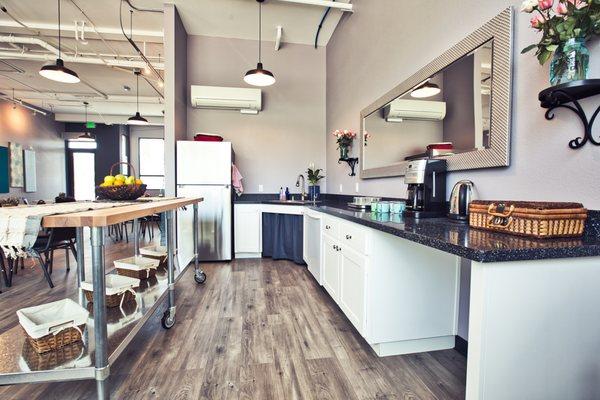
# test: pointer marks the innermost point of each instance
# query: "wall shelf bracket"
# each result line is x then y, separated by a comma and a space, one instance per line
567, 95
352, 162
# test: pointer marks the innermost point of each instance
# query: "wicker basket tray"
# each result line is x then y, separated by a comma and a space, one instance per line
118, 290
527, 218
157, 253
137, 267
124, 192
56, 341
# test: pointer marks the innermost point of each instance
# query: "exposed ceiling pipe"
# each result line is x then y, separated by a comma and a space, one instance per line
154, 10
32, 95
94, 28
134, 45
20, 82
20, 102
346, 7
13, 67
89, 85
152, 86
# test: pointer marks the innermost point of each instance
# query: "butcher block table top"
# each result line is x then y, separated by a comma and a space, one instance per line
115, 215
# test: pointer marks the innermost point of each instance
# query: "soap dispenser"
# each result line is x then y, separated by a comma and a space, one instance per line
287, 193
281, 194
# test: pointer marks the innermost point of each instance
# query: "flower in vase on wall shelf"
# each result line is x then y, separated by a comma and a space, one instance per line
566, 26
344, 139
314, 176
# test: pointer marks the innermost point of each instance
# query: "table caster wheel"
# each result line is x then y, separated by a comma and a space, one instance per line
200, 277
167, 320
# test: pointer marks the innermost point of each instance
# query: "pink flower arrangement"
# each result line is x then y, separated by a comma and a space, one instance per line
344, 137
570, 19
366, 136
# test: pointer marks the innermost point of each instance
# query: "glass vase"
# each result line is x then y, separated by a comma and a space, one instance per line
313, 192
343, 152
570, 62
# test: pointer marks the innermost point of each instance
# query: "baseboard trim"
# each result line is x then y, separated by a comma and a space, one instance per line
462, 346
248, 255
413, 346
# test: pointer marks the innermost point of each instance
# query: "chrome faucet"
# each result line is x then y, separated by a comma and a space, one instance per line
303, 193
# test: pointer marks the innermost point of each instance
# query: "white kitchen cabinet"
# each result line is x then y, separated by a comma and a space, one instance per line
331, 267
248, 230
353, 285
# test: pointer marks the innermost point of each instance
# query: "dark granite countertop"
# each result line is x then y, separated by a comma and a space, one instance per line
473, 244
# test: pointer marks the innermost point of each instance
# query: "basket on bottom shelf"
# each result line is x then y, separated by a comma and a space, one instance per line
119, 290
137, 267
59, 358
53, 325
157, 253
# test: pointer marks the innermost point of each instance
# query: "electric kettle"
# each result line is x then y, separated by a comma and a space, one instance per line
461, 196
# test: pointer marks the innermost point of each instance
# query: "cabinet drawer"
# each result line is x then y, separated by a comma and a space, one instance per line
331, 226
354, 236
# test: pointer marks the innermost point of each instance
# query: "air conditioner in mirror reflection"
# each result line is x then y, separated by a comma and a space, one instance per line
245, 100
400, 110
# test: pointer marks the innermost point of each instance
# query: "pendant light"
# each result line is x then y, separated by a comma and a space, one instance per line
427, 89
259, 76
137, 119
86, 137
57, 71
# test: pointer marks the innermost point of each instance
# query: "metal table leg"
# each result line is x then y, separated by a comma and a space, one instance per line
136, 236
100, 335
168, 319
199, 275
80, 263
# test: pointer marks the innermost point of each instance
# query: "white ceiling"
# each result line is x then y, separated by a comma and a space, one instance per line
239, 19
103, 86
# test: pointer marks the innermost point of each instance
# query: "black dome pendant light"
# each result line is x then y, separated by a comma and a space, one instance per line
58, 72
86, 137
137, 119
259, 76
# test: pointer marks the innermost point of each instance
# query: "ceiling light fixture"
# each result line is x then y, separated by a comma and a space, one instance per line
425, 90
259, 76
57, 71
86, 137
137, 119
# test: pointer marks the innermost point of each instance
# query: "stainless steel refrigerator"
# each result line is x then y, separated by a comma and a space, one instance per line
204, 170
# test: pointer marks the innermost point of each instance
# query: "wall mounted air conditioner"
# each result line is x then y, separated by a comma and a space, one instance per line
245, 100
421, 110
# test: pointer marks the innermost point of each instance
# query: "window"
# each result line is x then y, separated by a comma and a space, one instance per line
123, 157
82, 145
152, 162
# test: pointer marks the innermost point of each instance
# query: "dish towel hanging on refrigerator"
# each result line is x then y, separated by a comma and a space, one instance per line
236, 180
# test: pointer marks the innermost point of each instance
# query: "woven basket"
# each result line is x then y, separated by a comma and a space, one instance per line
527, 218
125, 192
155, 253
52, 342
113, 300
51, 359
141, 274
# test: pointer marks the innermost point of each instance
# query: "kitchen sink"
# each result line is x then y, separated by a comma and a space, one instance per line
292, 202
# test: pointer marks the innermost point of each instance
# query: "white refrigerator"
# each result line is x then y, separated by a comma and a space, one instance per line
204, 170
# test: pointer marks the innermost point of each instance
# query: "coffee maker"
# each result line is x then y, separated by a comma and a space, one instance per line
426, 181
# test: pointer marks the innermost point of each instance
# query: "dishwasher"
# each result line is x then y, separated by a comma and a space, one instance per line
312, 243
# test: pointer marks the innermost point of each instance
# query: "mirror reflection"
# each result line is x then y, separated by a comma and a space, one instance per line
449, 113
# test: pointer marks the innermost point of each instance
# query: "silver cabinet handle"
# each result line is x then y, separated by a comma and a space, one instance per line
348, 237
327, 227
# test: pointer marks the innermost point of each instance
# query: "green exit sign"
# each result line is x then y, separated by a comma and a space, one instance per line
90, 125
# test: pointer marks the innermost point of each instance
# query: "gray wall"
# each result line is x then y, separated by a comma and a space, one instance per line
43, 134
459, 123
364, 61
276, 145
176, 87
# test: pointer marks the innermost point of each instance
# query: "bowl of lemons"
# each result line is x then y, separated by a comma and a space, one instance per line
119, 186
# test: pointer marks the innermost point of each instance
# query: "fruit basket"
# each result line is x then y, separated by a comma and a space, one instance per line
119, 290
53, 325
137, 267
120, 187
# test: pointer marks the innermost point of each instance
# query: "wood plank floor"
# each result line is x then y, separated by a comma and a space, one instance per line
258, 329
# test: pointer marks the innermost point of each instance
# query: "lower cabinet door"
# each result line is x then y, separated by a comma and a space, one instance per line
353, 281
247, 229
331, 267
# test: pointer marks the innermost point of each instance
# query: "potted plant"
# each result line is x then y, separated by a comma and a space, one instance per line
314, 176
566, 26
344, 140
